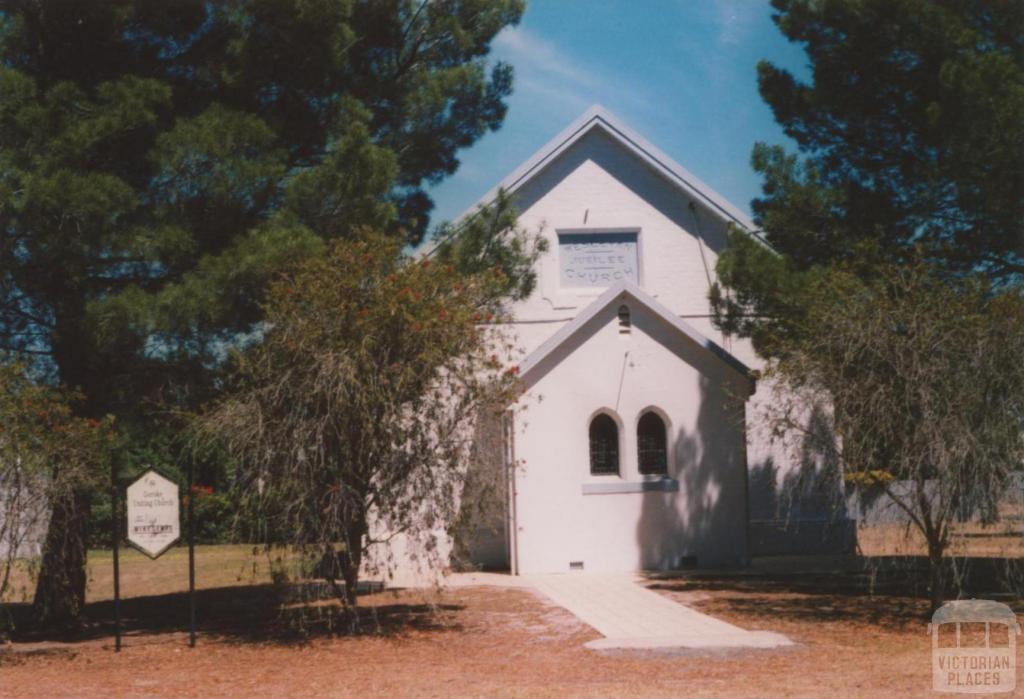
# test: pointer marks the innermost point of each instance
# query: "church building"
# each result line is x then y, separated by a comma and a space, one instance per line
634, 445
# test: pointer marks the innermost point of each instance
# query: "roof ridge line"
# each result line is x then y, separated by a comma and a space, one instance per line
652, 304
598, 115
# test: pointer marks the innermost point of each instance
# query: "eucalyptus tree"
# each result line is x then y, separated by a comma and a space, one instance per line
921, 379
355, 414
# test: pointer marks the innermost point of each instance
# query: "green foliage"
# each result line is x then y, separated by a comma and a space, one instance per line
890, 292
910, 132
925, 385
38, 429
912, 128
867, 479
352, 419
214, 515
161, 163
491, 239
758, 293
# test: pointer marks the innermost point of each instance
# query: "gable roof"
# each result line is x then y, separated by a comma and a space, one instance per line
599, 118
627, 290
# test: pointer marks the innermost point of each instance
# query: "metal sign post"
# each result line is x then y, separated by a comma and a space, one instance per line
153, 513
115, 539
191, 562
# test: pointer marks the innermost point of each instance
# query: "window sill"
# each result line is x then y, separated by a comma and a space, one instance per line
662, 485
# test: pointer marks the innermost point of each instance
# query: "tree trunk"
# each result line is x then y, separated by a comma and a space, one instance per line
60, 591
937, 575
352, 561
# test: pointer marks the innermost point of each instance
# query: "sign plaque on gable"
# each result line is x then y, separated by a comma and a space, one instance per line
589, 260
154, 518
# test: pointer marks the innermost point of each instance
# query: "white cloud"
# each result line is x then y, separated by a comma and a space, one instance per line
735, 19
548, 72
541, 56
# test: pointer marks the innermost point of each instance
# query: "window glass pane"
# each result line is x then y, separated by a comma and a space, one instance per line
652, 452
604, 445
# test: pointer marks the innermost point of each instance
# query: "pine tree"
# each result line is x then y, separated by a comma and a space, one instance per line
911, 137
161, 162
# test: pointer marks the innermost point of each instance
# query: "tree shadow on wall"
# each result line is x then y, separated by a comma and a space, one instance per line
479, 533
704, 524
803, 509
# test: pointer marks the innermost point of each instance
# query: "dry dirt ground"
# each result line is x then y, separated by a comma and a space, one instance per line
496, 642
859, 634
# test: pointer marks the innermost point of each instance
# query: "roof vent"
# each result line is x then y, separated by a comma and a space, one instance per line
624, 322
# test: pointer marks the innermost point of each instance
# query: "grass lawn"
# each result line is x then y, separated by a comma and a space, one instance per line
854, 640
1000, 540
216, 566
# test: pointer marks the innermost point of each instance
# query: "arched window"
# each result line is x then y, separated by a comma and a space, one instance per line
651, 445
604, 446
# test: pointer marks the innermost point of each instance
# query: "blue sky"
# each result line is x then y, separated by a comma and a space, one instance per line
680, 72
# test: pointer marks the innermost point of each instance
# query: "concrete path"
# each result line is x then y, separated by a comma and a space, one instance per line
631, 616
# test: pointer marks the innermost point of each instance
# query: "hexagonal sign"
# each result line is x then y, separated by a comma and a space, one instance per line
154, 518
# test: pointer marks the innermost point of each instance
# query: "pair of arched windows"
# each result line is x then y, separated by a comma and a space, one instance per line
651, 445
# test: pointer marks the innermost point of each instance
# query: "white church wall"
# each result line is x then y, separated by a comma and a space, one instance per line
596, 185
797, 500
700, 397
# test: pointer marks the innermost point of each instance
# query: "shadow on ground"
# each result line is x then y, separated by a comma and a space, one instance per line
889, 592
262, 613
